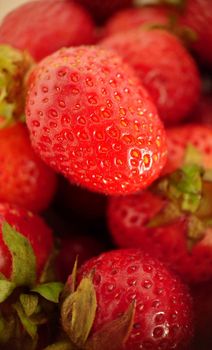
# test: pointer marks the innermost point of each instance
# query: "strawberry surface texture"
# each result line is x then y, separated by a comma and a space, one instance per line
163, 317
90, 119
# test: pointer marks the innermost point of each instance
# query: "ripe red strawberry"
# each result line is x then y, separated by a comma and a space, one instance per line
130, 279
130, 18
24, 179
42, 27
198, 16
178, 139
172, 220
160, 62
91, 120
101, 10
82, 247
30, 226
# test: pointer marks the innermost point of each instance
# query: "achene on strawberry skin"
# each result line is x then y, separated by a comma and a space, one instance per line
91, 120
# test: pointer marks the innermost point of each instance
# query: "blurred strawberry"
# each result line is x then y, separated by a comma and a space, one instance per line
42, 27
24, 179
160, 61
130, 18
178, 139
197, 15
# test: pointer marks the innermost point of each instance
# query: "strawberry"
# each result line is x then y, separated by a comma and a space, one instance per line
33, 228
91, 120
160, 62
101, 10
198, 16
27, 295
134, 303
24, 179
178, 139
82, 247
130, 18
42, 27
171, 220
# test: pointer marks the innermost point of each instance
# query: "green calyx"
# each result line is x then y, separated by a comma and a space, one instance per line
14, 66
24, 300
78, 313
187, 194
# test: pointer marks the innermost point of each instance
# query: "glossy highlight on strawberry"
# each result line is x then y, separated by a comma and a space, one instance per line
91, 120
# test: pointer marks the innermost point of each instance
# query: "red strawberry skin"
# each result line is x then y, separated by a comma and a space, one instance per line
203, 111
24, 179
160, 62
163, 317
90, 119
178, 138
198, 17
130, 18
42, 27
33, 228
128, 219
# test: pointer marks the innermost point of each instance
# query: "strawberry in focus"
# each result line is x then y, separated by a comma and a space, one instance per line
91, 120
139, 304
160, 62
42, 27
24, 179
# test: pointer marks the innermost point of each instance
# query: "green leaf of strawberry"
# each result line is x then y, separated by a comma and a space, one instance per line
29, 302
50, 291
29, 326
23, 258
61, 346
6, 288
78, 312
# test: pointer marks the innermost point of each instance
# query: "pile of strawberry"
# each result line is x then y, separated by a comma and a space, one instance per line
106, 175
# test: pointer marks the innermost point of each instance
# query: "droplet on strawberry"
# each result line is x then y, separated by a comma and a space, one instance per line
91, 120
